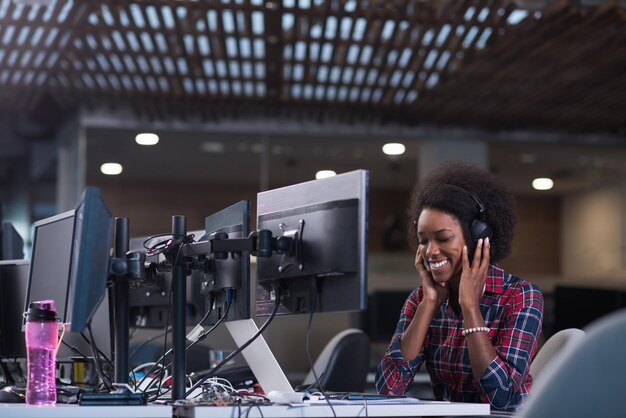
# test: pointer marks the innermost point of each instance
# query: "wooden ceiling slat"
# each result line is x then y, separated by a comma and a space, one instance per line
398, 43
562, 70
101, 32
326, 65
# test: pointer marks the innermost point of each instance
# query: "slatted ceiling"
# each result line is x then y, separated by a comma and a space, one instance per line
564, 71
488, 63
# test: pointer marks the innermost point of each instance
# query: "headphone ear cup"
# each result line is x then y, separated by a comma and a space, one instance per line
480, 229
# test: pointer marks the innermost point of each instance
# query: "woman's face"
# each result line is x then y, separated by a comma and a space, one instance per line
441, 238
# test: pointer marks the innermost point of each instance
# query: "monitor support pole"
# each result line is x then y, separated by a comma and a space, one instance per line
121, 304
179, 231
123, 268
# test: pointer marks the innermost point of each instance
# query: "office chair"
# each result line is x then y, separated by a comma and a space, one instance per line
588, 379
552, 348
343, 364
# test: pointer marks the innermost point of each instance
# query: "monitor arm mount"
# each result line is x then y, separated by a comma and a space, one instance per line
126, 269
260, 243
195, 255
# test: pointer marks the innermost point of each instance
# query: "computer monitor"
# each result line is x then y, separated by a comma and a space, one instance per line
12, 243
380, 319
50, 261
49, 274
232, 272
13, 285
149, 304
325, 270
91, 250
577, 307
13, 288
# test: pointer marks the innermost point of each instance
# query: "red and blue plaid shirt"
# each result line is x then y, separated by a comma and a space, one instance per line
512, 309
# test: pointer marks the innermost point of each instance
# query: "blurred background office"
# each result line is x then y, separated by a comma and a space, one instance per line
243, 96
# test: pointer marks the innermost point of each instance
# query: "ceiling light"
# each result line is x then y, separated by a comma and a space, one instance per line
542, 183
394, 148
111, 169
322, 174
147, 139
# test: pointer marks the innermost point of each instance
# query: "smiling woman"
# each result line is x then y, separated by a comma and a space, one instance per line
472, 324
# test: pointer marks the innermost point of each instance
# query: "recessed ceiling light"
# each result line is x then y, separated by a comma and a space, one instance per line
111, 169
394, 148
147, 138
542, 183
322, 174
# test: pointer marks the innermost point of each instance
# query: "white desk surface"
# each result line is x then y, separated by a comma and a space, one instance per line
83, 411
423, 409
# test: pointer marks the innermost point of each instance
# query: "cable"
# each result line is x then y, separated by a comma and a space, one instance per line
148, 341
308, 354
243, 347
169, 311
8, 378
97, 365
75, 350
109, 362
179, 243
200, 338
229, 299
165, 245
17, 367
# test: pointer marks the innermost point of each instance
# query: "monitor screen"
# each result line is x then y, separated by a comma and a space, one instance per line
380, 319
12, 243
91, 250
13, 284
49, 278
13, 288
232, 272
50, 261
325, 270
597, 302
149, 304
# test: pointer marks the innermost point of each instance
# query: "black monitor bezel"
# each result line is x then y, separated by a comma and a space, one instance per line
91, 251
36, 225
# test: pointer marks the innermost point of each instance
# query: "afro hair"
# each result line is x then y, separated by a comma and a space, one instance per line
450, 187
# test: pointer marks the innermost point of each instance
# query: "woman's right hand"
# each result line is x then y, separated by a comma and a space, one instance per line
433, 291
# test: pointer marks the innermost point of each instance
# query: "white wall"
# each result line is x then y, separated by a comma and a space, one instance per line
592, 237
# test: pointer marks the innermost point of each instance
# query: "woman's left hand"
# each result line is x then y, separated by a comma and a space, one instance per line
473, 276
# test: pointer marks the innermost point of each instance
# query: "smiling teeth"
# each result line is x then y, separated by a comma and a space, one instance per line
439, 264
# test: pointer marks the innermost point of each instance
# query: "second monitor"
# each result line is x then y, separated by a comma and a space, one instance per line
324, 267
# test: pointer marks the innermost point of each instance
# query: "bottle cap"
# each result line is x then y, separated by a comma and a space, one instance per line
43, 310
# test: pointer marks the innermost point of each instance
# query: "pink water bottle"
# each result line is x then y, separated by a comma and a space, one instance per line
41, 341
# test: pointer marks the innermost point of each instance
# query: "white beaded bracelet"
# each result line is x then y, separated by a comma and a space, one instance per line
467, 331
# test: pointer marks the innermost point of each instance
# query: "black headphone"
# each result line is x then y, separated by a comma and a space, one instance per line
478, 228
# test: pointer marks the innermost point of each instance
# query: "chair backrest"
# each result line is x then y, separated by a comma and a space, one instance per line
343, 364
552, 348
588, 379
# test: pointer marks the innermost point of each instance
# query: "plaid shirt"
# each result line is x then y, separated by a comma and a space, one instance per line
512, 309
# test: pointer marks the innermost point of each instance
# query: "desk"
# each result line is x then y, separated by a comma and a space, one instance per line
81, 411
424, 409
421, 409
